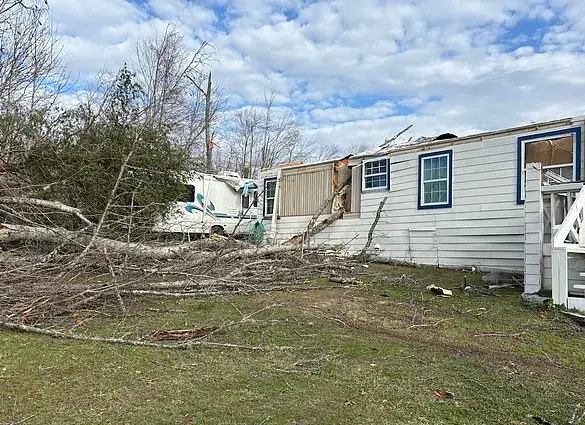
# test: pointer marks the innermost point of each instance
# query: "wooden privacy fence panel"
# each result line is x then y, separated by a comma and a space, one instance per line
355, 195
304, 190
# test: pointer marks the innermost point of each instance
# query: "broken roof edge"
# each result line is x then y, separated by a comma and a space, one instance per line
377, 151
306, 164
433, 142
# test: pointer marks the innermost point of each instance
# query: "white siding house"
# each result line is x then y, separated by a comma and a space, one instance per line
452, 202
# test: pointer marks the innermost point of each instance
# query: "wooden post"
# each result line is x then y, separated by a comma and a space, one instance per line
560, 280
553, 216
533, 230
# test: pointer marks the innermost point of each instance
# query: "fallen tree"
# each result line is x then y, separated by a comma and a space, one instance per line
137, 343
17, 232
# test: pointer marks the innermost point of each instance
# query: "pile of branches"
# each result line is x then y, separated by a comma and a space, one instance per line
43, 287
49, 272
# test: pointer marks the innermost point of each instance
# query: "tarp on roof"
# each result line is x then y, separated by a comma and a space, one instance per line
238, 184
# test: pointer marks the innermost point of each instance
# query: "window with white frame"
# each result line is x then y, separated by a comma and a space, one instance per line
269, 196
435, 179
375, 174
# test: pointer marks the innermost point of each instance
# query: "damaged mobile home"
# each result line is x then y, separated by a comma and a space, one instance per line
489, 201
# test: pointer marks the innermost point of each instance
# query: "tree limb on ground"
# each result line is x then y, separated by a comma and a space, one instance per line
55, 205
182, 346
15, 232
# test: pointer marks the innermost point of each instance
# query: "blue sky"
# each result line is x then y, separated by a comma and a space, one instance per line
359, 71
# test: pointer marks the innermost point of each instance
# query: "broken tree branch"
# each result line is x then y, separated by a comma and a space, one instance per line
110, 199
373, 227
311, 229
55, 205
14, 232
396, 136
181, 346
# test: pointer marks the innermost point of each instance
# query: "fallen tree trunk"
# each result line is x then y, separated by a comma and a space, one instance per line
326, 222
14, 232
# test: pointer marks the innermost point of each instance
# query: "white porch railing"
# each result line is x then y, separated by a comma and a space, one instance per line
567, 238
558, 200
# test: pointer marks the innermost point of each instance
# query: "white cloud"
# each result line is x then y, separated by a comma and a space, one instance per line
444, 65
342, 114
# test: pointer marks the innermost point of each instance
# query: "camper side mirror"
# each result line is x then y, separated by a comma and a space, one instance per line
255, 203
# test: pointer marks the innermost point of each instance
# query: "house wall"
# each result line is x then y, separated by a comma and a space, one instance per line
485, 227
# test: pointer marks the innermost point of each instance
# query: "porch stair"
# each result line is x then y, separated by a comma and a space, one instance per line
567, 238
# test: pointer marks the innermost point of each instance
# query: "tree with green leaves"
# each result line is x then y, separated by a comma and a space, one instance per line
110, 164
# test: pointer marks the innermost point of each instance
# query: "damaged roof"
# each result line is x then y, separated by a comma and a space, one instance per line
397, 144
400, 145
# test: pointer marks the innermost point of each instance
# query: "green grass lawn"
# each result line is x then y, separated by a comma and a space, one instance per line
372, 354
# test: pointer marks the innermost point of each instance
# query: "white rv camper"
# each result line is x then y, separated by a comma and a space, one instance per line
214, 204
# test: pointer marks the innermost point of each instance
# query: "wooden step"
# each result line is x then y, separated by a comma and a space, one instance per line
576, 249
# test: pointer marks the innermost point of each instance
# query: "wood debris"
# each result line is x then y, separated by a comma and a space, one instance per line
443, 394
182, 334
440, 291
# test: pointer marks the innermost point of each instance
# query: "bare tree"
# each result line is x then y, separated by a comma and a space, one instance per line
358, 147
214, 101
324, 151
31, 73
263, 136
7, 6
163, 65
282, 140
179, 93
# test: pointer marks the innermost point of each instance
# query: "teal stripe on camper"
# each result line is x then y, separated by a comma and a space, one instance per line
192, 207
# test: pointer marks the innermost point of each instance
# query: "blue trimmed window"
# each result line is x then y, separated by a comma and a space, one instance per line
376, 174
558, 151
435, 180
269, 195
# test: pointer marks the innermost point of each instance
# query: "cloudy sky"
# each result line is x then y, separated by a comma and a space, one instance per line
357, 71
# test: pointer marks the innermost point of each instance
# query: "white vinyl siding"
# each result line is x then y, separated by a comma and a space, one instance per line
484, 228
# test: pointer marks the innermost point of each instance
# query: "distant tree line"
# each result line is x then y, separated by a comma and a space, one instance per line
121, 151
